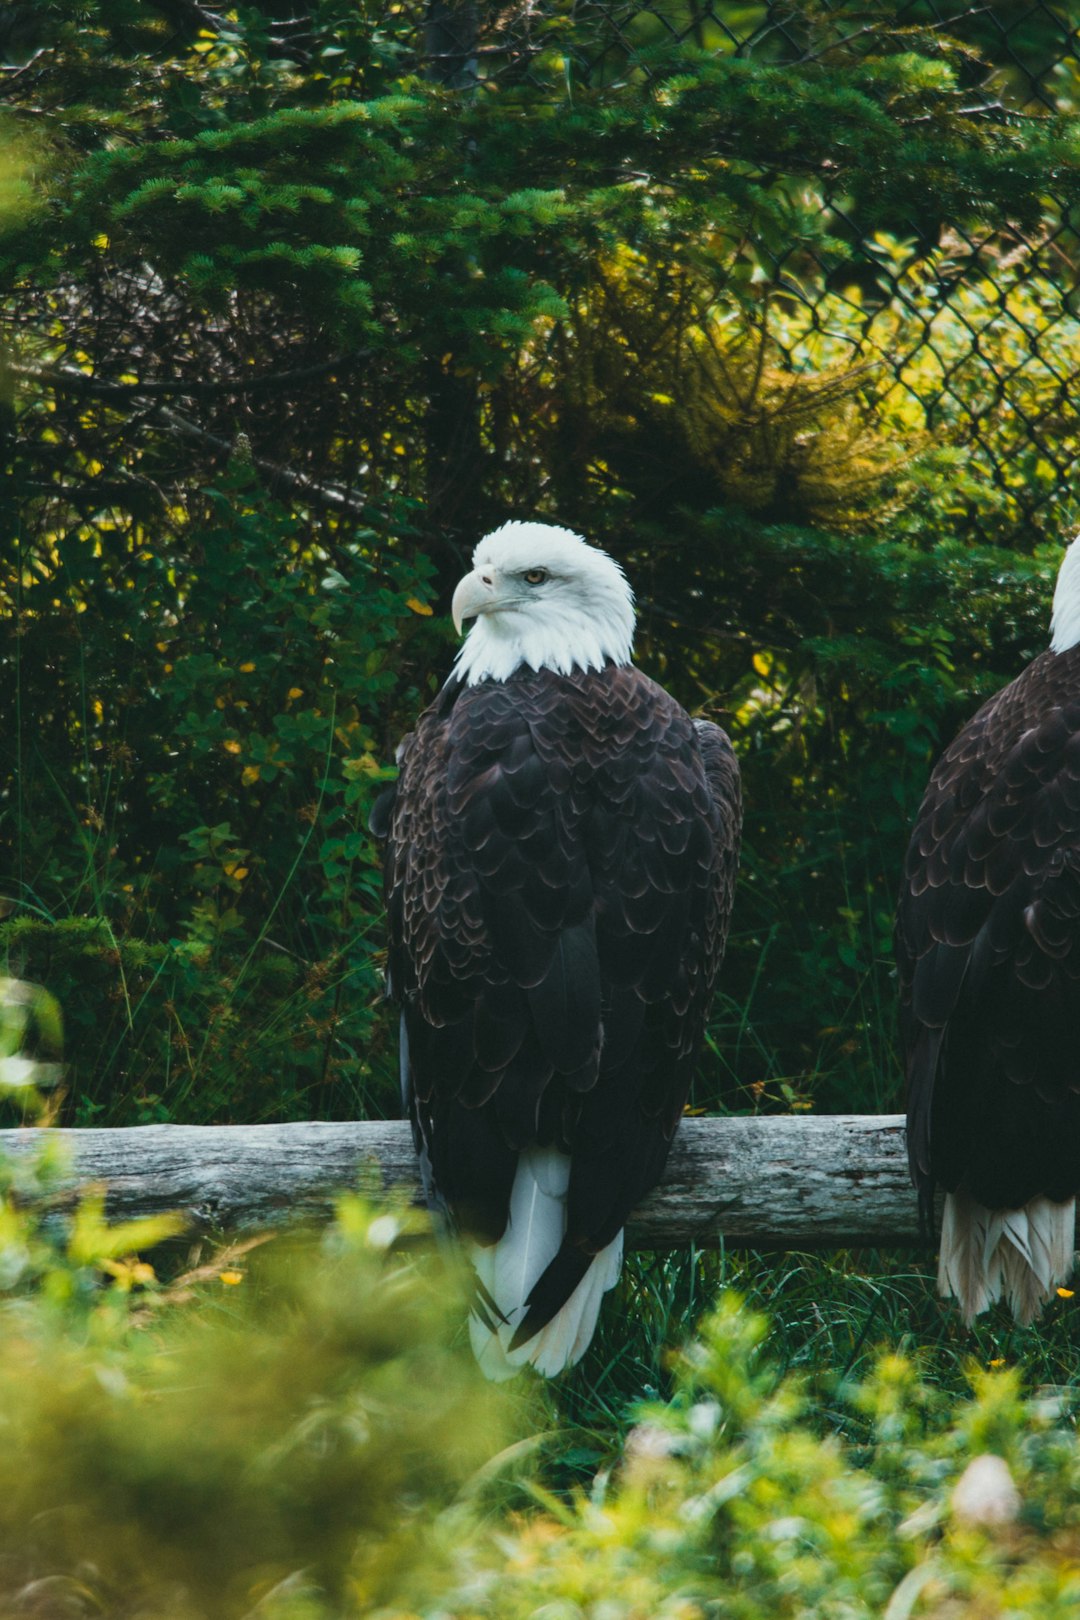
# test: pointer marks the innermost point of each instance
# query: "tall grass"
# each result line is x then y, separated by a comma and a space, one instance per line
832, 1315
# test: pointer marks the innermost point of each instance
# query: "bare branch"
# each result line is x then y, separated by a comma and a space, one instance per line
70, 377
328, 495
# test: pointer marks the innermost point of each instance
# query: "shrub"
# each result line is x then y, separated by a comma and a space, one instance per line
736, 1502
209, 749
276, 1431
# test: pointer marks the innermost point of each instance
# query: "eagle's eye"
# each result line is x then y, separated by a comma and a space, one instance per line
535, 576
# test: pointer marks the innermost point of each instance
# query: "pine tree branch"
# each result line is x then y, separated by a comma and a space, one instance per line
12, 73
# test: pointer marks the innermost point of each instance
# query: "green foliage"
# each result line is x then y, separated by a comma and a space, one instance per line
832, 1316
276, 1427
294, 1432
976, 379
215, 878
659, 361
17, 171
295, 320
732, 1500
30, 1021
299, 1427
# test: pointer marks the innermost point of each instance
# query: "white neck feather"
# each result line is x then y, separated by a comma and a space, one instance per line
1065, 619
498, 644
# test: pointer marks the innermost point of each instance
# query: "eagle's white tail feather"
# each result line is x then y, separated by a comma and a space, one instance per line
565, 1339
509, 1269
1023, 1254
535, 1226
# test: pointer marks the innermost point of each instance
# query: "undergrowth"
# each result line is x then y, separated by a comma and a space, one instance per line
296, 1430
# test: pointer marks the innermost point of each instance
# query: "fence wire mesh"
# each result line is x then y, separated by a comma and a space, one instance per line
973, 335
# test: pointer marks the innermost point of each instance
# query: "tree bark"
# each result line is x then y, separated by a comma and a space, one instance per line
819, 1181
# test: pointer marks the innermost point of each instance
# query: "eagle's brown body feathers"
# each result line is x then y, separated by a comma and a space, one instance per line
988, 950
561, 855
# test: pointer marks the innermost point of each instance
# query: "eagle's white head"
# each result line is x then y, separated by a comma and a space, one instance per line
1065, 618
541, 596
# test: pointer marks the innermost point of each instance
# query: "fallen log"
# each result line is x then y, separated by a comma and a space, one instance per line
815, 1181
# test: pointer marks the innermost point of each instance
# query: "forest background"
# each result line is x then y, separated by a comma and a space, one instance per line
776, 303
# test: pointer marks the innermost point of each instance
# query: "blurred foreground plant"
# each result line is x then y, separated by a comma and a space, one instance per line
297, 1429
294, 1434
731, 1502
277, 1433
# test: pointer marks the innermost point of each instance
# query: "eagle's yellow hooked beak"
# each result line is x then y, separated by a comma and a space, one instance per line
475, 594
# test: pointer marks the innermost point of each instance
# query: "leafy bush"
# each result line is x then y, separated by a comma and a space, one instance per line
734, 1500
215, 877
274, 1427
297, 1429
273, 1430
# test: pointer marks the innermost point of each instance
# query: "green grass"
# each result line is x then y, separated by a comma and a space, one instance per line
831, 1315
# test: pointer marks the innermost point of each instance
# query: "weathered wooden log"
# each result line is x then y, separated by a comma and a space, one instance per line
823, 1181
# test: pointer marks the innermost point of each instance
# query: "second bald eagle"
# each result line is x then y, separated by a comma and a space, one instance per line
988, 951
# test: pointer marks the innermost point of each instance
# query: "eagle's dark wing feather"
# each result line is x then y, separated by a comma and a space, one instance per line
560, 863
988, 950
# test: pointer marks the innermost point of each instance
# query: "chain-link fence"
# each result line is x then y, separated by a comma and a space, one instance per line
972, 335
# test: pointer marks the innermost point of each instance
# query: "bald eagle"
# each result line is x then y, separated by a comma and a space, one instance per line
561, 847
988, 950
